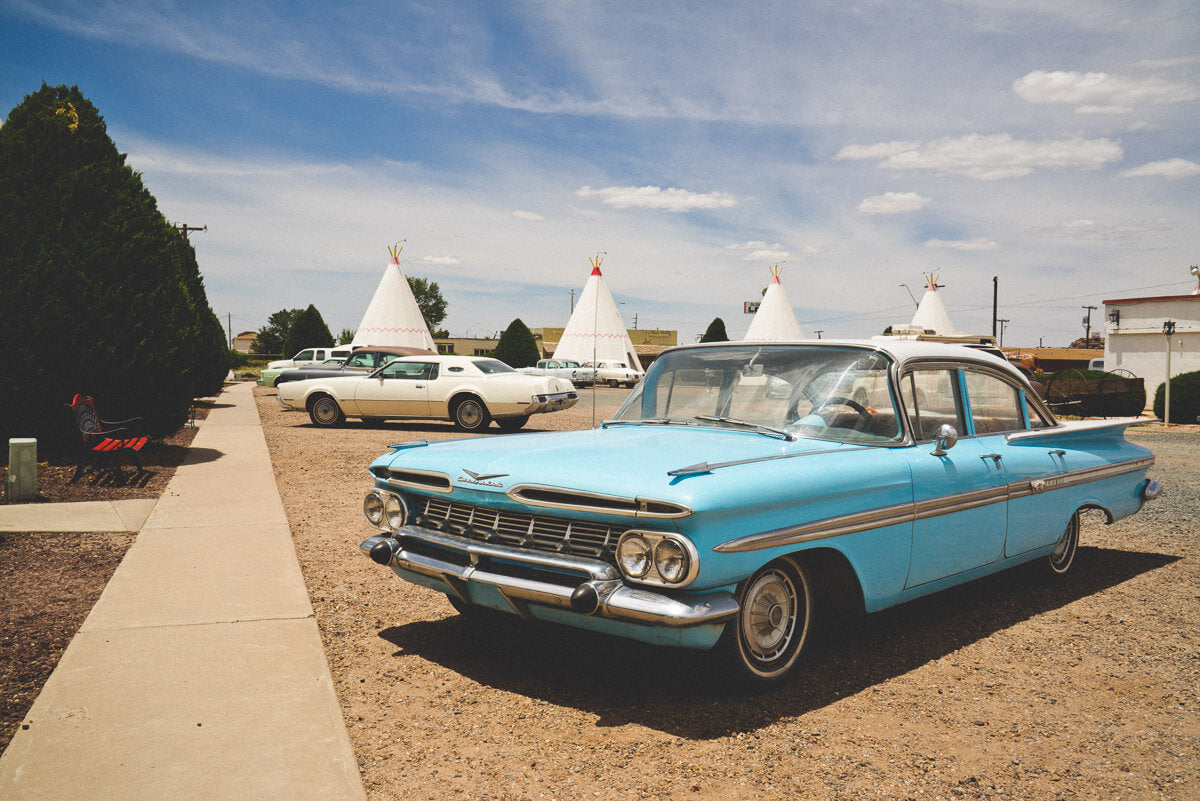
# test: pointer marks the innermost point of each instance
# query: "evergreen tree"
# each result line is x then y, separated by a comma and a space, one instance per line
346, 337
271, 336
101, 294
715, 332
517, 346
308, 330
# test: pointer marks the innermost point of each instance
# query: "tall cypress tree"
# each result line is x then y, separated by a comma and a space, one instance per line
308, 330
715, 332
101, 294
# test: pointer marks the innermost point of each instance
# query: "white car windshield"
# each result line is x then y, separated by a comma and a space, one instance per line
837, 393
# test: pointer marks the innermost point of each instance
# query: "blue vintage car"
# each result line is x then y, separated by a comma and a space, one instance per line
744, 488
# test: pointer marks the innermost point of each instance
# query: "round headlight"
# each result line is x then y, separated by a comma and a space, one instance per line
394, 512
671, 561
633, 554
373, 508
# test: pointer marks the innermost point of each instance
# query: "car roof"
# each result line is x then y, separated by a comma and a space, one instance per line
901, 350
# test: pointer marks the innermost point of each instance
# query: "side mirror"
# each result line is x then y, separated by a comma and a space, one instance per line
947, 438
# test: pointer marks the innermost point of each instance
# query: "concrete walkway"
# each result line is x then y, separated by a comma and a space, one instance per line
80, 516
199, 674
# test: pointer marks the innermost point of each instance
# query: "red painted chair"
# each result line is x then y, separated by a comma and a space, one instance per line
102, 438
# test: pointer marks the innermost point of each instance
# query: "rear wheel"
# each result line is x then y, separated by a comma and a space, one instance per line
324, 411
612, 382
1063, 555
471, 415
770, 631
510, 424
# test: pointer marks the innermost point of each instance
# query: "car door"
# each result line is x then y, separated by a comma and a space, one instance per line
960, 496
400, 389
997, 409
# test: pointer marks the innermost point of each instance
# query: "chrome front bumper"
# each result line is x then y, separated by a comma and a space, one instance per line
552, 403
587, 587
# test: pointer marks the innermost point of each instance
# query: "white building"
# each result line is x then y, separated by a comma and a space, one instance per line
1134, 338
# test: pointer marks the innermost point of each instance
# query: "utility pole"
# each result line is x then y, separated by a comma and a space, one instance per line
229, 328
819, 332
184, 228
1003, 323
995, 301
1087, 324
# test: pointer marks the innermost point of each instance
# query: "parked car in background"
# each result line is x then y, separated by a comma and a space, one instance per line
363, 360
307, 356
615, 373
741, 492
471, 391
574, 372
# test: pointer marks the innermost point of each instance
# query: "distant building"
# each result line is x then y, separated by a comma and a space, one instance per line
1135, 340
243, 341
648, 343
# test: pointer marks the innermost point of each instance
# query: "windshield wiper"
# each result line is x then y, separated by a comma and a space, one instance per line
733, 421
646, 421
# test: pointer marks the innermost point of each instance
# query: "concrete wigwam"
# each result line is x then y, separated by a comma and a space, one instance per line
775, 321
393, 317
595, 332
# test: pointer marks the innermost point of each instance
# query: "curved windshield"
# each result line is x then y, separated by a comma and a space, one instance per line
836, 393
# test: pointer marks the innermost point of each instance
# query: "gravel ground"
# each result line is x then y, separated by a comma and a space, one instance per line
1012, 687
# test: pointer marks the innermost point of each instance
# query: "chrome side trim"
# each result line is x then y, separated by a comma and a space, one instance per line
440, 483
921, 510
617, 601
581, 501
1074, 426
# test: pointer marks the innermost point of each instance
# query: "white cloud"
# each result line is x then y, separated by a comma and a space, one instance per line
1171, 168
977, 244
654, 197
1092, 231
440, 261
878, 151
894, 203
1101, 93
762, 251
989, 157
527, 215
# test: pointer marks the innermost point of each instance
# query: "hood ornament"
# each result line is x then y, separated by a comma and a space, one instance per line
484, 479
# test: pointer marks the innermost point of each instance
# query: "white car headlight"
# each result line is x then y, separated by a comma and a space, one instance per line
395, 513
671, 561
373, 508
634, 555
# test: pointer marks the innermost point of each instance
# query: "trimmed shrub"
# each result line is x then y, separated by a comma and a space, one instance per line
715, 331
1185, 398
101, 294
517, 346
308, 330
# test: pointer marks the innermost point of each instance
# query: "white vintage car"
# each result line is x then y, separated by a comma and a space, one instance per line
615, 373
471, 391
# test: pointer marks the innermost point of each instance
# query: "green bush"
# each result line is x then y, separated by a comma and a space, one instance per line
101, 295
308, 330
1185, 398
517, 346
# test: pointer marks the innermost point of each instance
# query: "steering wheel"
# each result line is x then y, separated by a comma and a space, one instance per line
838, 400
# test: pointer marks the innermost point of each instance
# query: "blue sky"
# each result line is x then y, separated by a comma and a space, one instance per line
860, 143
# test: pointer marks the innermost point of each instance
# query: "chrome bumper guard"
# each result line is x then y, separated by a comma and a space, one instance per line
552, 403
600, 592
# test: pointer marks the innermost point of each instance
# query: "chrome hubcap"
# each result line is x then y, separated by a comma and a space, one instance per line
769, 621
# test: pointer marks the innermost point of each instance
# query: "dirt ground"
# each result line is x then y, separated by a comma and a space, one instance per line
1012, 687
50, 581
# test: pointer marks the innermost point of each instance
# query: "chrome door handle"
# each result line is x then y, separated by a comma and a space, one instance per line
1058, 453
995, 457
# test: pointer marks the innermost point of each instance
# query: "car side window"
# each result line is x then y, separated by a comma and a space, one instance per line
932, 400
995, 404
361, 360
411, 371
304, 356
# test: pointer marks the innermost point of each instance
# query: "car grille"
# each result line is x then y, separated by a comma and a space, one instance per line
553, 534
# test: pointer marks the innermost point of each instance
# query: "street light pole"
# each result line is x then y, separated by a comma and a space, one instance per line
1169, 331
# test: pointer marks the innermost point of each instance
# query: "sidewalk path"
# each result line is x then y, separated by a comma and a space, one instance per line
200, 673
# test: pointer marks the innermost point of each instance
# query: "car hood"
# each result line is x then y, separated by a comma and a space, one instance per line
634, 460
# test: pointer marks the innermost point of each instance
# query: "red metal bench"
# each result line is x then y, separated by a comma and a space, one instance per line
102, 438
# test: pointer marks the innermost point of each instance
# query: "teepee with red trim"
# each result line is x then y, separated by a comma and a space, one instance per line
931, 312
393, 317
775, 321
596, 331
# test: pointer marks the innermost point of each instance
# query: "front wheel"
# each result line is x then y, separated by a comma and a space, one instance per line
1063, 555
471, 415
324, 411
773, 625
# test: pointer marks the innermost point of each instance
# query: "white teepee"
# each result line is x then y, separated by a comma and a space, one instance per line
595, 331
775, 321
931, 312
393, 317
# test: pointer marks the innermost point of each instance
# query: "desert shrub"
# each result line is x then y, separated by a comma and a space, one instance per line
1185, 398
